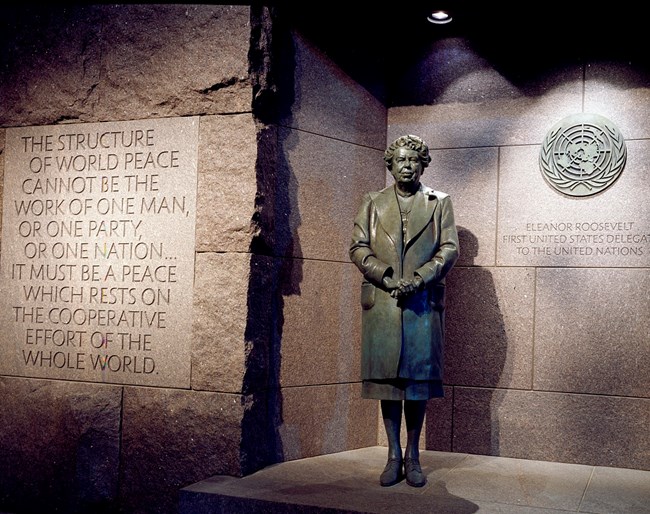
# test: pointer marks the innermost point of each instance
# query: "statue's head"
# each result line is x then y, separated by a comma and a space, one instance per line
409, 141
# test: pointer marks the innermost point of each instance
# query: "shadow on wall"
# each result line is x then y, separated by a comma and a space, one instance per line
476, 349
276, 257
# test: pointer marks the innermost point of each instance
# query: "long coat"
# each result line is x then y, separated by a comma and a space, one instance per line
404, 337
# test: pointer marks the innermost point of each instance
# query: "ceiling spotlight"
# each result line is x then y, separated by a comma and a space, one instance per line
439, 17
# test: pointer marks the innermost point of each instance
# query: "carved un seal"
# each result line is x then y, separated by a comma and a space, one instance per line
582, 155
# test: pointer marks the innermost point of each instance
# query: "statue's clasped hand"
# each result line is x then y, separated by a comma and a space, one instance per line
401, 288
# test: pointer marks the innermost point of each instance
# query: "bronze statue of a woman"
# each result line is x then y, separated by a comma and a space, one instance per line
404, 242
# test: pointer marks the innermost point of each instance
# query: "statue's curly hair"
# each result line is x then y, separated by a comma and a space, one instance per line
410, 141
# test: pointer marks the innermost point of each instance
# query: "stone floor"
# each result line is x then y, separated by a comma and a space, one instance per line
458, 483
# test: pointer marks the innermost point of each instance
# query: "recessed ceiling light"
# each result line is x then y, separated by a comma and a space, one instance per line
439, 17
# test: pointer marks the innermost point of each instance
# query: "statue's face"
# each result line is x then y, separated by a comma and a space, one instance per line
406, 167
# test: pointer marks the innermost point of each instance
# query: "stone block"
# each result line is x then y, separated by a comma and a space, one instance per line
521, 484
227, 183
339, 483
172, 438
116, 62
621, 92
539, 226
591, 331
60, 445
438, 424
269, 279
261, 441
321, 333
617, 490
489, 327
2, 173
469, 176
169, 60
221, 315
99, 286
325, 419
52, 64
322, 196
570, 428
320, 86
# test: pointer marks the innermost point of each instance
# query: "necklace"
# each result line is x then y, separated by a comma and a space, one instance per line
405, 205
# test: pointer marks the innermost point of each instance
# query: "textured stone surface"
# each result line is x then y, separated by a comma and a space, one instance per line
326, 181
469, 176
571, 428
457, 483
172, 438
621, 92
321, 336
438, 424
145, 69
261, 443
226, 183
520, 482
118, 225
93, 63
52, 65
342, 483
325, 419
60, 445
319, 87
72, 71
598, 344
617, 490
220, 318
540, 227
489, 320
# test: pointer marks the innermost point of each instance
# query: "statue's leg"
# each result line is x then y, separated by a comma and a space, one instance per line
414, 411
391, 411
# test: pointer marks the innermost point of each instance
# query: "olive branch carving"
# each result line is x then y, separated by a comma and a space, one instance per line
545, 158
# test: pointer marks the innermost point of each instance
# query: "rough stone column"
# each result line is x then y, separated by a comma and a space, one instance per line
133, 62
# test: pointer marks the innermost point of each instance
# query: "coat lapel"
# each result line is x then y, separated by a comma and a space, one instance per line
425, 203
389, 216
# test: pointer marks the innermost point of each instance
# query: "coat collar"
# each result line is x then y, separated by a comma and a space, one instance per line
425, 202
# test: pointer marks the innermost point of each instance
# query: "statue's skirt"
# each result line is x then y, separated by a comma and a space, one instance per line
401, 389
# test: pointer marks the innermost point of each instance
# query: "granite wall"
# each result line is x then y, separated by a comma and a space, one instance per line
288, 143
274, 323
547, 352
332, 137
81, 446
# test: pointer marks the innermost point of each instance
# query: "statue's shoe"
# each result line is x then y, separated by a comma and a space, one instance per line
392, 473
414, 475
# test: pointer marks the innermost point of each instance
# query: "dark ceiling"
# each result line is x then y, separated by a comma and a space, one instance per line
524, 38
562, 24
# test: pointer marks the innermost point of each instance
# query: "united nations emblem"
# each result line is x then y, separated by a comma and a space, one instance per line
582, 155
